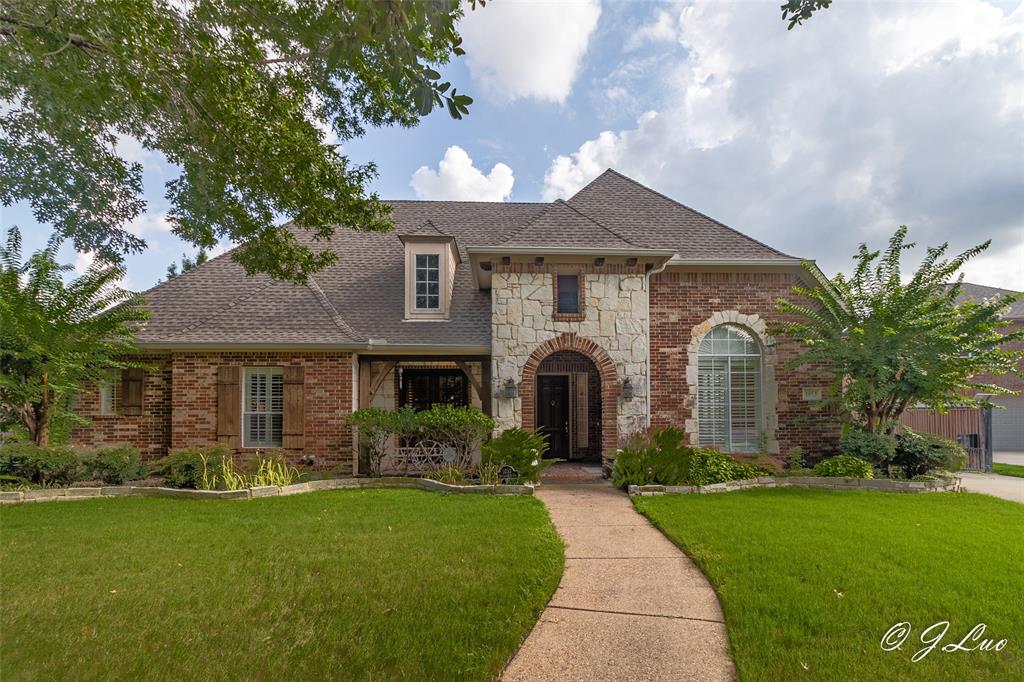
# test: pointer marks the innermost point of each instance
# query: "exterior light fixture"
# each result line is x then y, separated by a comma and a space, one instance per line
510, 388
627, 389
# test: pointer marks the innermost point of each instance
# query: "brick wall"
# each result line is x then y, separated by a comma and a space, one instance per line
682, 300
180, 405
150, 432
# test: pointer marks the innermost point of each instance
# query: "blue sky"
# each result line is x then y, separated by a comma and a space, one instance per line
813, 140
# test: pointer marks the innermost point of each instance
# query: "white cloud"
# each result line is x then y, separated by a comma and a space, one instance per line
663, 29
149, 224
83, 260
816, 139
457, 179
528, 49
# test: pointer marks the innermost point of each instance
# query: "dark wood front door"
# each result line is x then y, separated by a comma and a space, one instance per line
553, 412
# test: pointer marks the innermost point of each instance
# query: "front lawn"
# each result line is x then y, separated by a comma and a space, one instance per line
370, 584
811, 580
1008, 469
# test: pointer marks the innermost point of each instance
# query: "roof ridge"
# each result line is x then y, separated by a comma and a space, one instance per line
679, 203
464, 201
602, 225
339, 321
231, 304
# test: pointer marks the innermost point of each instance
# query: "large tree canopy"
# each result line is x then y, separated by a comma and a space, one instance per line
55, 338
891, 344
237, 94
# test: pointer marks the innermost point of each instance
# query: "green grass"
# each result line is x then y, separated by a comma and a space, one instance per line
1008, 469
373, 584
779, 559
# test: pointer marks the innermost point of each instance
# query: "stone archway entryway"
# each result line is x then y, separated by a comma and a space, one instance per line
566, 368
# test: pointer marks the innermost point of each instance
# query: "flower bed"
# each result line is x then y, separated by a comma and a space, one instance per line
950, 484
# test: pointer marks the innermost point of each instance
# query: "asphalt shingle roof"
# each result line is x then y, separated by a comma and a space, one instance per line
979, 293
361, 296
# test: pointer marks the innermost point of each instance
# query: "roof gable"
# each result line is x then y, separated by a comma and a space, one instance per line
563, 226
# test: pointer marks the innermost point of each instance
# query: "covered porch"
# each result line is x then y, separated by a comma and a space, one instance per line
391, 382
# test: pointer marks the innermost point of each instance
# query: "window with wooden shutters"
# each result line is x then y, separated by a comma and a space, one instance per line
293, 431
263, 408
131, 391
729, 390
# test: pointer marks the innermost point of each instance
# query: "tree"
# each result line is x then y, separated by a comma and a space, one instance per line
799, 11
235, 94
55, 338
892, 344
186, 264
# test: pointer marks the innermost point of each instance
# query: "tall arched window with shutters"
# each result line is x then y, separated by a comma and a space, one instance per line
729, 409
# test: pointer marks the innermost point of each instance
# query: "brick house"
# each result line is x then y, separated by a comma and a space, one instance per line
587, 319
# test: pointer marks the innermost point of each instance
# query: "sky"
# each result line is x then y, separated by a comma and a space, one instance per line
869, 116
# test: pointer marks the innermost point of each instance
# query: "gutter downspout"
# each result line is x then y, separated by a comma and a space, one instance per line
650, 374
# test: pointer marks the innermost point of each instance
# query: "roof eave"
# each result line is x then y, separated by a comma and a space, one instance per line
568, 250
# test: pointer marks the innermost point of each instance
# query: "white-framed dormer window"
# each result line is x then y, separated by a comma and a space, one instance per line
263, 407
427, 282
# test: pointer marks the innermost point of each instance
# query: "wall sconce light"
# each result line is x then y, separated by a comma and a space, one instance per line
510, 391
627, 389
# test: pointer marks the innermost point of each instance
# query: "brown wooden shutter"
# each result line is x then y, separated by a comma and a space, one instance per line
294, 408
581, 411
229, 406
131, 390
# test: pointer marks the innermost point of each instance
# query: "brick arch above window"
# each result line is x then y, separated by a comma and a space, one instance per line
609, 384
756, 326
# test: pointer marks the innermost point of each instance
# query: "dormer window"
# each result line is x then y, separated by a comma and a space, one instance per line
431, 258
428, 281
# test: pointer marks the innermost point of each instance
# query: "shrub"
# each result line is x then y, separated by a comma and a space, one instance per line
114, 465
463, 428
51, 466
659, 457
521, 449
711, 466
846, 466
918, 453
877, 448
272, 470
184, 468
448, 473
795, 458
489, 474
375, 426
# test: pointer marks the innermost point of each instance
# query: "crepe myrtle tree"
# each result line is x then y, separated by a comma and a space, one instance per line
240, 97
58, 339
891, 344
796, 12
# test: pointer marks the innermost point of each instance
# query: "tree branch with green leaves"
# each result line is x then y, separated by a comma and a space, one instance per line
236, 95
57, 339
891, 344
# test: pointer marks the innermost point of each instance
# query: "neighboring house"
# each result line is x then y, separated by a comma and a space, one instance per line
587, 319
967, 425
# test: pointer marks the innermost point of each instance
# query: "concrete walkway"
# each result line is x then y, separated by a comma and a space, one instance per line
1007, 487
630, 606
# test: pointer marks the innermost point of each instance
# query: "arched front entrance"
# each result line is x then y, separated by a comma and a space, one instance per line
569, 391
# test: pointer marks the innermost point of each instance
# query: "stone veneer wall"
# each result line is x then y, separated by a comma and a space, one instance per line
683, 304
150, 431
615, 320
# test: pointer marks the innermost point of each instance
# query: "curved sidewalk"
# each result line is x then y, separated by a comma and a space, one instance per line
631, 605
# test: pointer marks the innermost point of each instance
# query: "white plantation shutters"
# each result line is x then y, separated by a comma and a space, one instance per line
263, 407
729, 390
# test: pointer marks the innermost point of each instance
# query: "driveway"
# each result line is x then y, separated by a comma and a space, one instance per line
1008, 457
631, 605
1006, 487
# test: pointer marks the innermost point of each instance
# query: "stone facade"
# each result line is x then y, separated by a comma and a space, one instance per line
683, 305
614, 319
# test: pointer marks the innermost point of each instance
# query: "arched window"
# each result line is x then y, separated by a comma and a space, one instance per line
729, 390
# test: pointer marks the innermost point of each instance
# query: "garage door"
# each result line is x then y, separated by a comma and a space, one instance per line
1008, 424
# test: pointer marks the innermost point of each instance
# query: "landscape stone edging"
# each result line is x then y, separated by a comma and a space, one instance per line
52, 494
822, 482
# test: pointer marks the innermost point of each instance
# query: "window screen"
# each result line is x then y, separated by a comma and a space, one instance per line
729, 390
263, 407
428, 281
568, 293
422, 388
